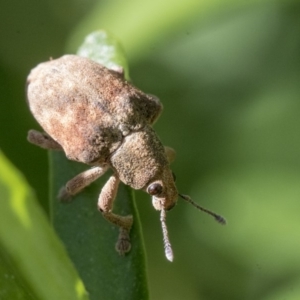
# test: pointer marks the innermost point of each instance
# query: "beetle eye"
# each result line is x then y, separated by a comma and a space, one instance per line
155, 189
174, 176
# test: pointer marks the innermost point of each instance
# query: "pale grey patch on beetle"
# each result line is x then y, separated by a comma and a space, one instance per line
96, 117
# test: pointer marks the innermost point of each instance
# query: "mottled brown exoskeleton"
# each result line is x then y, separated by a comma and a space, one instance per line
98, 118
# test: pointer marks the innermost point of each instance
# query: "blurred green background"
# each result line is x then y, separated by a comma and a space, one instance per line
228, 75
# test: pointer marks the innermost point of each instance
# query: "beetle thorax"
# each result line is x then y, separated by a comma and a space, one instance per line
140, 158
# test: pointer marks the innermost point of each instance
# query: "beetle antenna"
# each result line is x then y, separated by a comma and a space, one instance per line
167, 244
217, 217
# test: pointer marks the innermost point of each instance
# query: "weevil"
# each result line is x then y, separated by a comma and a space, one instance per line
98, 118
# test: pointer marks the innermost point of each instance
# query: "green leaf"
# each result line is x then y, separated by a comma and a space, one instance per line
103, 48
33, 262
90, 240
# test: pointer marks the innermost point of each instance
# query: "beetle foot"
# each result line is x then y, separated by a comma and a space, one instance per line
123, 244
64, 195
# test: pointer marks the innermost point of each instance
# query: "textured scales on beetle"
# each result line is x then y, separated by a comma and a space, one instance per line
98, 118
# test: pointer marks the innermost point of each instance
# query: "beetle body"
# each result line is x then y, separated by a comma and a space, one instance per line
98, 118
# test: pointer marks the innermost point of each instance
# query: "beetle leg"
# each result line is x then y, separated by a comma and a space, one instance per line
79, 182
105, 205
42, 140
170, 152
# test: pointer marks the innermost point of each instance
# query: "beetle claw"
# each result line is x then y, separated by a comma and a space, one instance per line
123, 244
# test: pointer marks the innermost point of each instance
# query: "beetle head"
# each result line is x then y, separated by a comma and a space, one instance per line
163, 191
164, 196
